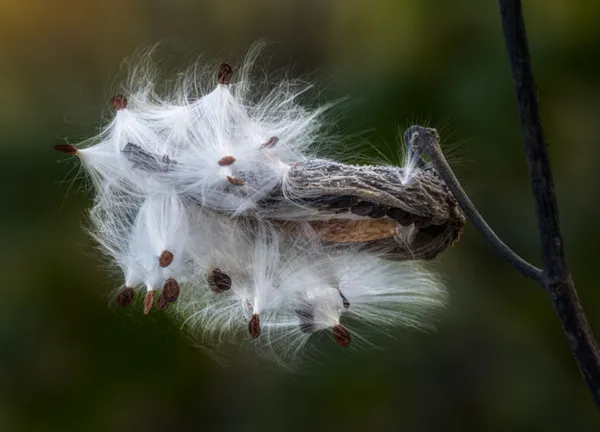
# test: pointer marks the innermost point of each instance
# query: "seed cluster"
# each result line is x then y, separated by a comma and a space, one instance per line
184, 187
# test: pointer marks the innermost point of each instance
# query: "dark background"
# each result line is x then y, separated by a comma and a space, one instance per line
499, 361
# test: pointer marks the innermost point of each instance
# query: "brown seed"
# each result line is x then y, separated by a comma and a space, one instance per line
165, 259
342, 335
363, 208
270, 143
226, 160
377, 212
235, 181
125, 296
401, 216
148, 302
254, 326
423, 222
225, 73
219, 281
66, 149
345, 301
171, 290
162, 303
119, 102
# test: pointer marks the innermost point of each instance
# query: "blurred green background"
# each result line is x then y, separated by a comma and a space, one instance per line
499, 361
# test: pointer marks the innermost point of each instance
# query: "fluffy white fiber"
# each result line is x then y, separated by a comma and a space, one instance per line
175, 214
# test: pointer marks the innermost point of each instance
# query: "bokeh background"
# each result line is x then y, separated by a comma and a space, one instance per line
499, 361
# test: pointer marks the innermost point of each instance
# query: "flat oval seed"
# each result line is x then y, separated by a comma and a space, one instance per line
162, 303
148, 302
165, 259
219, 281
235, 181
226, 160
377, 213
342, 335
125, 296
170, 290
66, 149
362, 208
254, 326
401, 216
225, 74
119, 102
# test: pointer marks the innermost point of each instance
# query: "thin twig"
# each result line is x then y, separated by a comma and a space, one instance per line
427, 141
555, 277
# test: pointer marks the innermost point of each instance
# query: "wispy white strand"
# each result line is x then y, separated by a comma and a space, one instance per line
178, 177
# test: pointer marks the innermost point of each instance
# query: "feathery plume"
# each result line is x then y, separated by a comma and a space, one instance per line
210, 199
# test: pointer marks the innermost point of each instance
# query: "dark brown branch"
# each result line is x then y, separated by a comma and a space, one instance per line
556, 274
555, 277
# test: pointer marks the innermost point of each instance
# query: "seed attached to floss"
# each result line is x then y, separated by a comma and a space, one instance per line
119, 102
162, 303
125, 296
254, 326
342, 335
226, 160
225, 74
270, 143
66, 149
219, 281
235, 181
170, 290
148, 302
165, 259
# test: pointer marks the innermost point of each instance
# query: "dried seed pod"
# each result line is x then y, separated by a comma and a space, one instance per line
254, 326
330, 187
148, 302
66, 149
335, 202
165, 259
171, 290
226, 160
342, 335
219, 281
225, 74
119, 102
380, 186
125, 296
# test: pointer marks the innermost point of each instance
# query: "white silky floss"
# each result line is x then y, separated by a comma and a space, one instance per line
177, 179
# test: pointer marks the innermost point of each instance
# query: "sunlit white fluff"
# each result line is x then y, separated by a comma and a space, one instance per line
178, 176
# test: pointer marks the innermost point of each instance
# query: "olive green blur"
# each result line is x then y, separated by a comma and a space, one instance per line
70, 360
